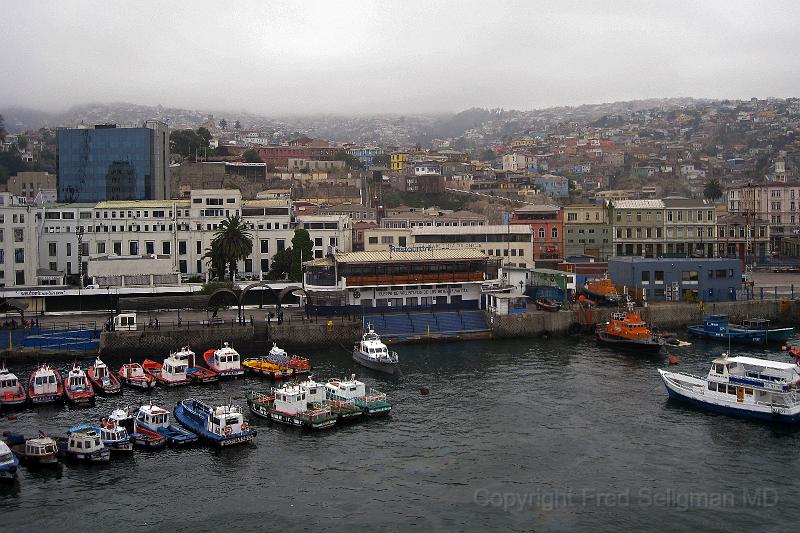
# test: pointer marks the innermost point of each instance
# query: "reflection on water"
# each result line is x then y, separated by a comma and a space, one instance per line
548, 425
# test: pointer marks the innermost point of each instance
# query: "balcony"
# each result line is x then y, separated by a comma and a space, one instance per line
415, 278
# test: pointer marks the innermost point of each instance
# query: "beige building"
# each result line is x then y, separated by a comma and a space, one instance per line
29, 184
587, 231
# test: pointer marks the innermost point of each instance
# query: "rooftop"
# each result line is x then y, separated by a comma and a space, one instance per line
443, 254
124, 204
537, 208
639, 204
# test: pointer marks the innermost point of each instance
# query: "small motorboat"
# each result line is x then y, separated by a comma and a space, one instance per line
372, 403
12, 392
628, 331
83, 443
104, 381
133, 375
77, 387
221, 426
142, 437
291, 405
278, 356
225, 361
45, 386
372, 353
764, 326
155, 419
717, 327
8, 462
195, 373
40, 451
547, 304
264, 367
172, 373
115, 436
601, 290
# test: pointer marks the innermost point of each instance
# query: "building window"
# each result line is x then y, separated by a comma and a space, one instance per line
182, 266
373, 240
51, 249
318, 241
645, 276
101, 247
149, 247
133, 248
689, 276
199, 247
554, 233
165, 247
386, 239
117, 247
20, 277
265, 265
19, 235
658, 276
181, 247
264, 246
248, 265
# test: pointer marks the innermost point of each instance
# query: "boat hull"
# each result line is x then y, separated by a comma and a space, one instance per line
182, 415
386, 368
777, 415
302, 422
112, 386
44, 399
145, 384
629, 344
8, 471
80, 398
14, 399
741, 337
201, 375
770, 335
50, 459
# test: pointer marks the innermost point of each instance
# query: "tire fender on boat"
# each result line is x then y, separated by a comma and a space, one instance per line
228, 430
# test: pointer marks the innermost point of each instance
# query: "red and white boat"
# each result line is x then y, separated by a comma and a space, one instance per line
194, 372
12, 392
225, 361
103, 379
133, 375
77, 387
172, 373
45, 386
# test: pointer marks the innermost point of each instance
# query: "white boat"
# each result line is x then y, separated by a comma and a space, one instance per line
115, 436
742, 386
291, 405
156, 420
12, 392
371, 403
225, 361
372, 353
83, 443
8, 462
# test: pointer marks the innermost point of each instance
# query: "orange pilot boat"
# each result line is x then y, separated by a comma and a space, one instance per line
601, 290
628, 331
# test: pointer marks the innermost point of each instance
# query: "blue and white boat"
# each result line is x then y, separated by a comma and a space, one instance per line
155, 419
741, 386
222, 426
718, 327
115, 436
763, 325
8, 462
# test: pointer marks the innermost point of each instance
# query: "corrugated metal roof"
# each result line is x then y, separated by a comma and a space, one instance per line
436, 254
638, 204
125, 204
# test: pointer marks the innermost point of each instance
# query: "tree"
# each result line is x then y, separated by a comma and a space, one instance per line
223, 123
713, 189
232, 242
350, 160
204, 135
302, 250
251, 156
22, 143
237, 125
382, 160
184, 142
281, 265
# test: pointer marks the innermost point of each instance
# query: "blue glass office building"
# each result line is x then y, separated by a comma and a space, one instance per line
112, 163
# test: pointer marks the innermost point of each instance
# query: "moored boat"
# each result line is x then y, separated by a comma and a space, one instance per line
741, 386
628, 330
193, 372
547, 304
222, 426
115, 436
104, 381
261, 366
155, 419
45, 386
278, 356
343, 410
77, 387
601, 290
372, 403
763, 325
289, 405
12, 392
141, 437
40, 451
133, 375
83, 443
225, 361
717, 327
372, 353
171, 373
8, 462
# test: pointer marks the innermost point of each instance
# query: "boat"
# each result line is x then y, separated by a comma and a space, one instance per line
372, 353
12, 392
193, 372
299, 365
763, 325
83, 443
225, 361
133, 375
104, 381
77, 387
371, 404
8, 462
547, 304
221, 426
143, 437
290, 405
717, 327
264, 367
155, 419
343, 410
601, 290
40, 451
45, 386
627, 330
115, 436
172, 373
741, 386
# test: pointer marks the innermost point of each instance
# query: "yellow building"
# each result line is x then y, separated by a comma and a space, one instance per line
396, 161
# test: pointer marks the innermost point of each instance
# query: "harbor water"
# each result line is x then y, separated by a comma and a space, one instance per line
516, 435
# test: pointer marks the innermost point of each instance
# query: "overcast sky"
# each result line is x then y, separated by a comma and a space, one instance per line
385, 56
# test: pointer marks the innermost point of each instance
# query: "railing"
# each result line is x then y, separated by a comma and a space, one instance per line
777, 292
401, 279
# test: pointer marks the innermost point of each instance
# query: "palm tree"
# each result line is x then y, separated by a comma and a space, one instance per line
231, 243
713, 189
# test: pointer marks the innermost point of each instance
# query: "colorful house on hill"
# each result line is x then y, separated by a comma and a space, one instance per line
548, 229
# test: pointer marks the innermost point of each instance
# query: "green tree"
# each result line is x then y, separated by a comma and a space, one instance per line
204, 135
349, 160
223, 123
281, 265
302, 250
232, 242
251, 156
184, 142
713, 189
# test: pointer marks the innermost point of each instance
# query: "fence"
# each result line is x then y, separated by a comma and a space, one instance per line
777, 292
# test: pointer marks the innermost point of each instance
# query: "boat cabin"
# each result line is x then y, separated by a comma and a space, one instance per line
152, 417
113, 432
84, 441
174, 369
226, 416
372, 346
628, 325
100, 370
77, 379
290, 399
226, 358
41, 446
185, 355
315, 391
5, 453
133, 371
345, 389
8, 382
277, 352
753, 380
45, 381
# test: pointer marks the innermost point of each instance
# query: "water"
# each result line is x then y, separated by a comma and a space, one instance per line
514, 435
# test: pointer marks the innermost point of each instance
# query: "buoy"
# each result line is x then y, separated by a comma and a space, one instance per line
424, 391
673, 359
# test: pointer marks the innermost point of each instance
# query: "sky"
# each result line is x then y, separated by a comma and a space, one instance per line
308, 56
